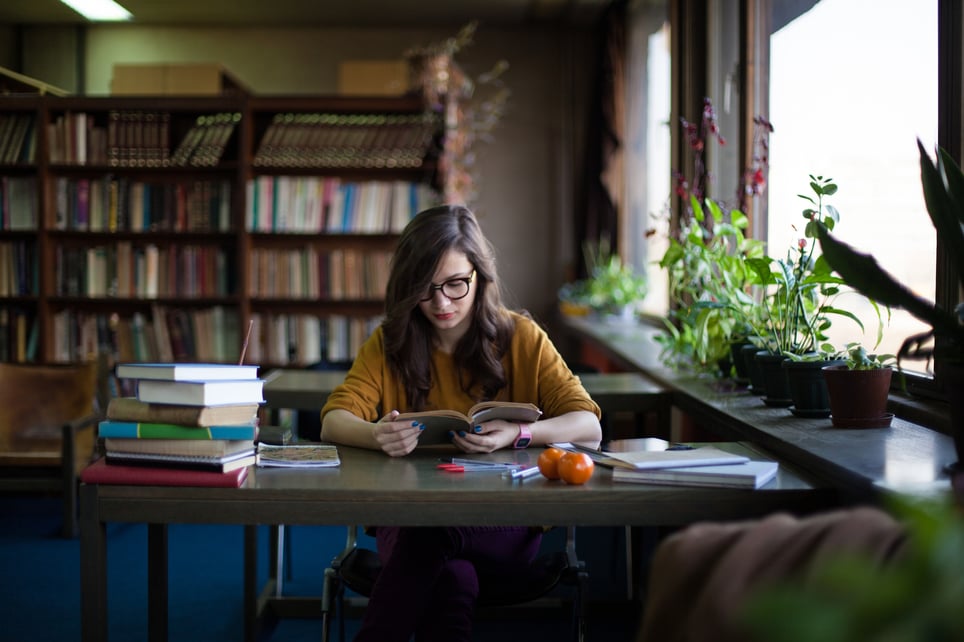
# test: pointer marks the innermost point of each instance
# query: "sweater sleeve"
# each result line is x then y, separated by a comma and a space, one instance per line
366, 390
539, 374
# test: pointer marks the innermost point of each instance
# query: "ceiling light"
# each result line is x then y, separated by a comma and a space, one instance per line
99, 10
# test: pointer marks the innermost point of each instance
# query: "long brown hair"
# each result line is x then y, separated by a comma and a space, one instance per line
409, 335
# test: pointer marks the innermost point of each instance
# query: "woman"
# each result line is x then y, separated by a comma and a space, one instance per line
447, 341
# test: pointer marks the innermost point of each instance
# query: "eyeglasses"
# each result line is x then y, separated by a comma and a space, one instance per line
453, 289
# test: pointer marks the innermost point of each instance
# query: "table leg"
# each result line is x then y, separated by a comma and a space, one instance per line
157, 582
93, 567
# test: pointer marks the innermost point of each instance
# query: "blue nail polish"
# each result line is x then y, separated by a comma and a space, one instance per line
461, 433
421, 426
451, 434
414, 423
478, 429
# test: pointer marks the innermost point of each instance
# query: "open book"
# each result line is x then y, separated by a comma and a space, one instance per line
438, 423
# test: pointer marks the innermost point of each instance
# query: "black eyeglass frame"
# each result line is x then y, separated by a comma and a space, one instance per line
432, 288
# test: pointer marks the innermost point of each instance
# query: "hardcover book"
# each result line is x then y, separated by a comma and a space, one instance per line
183, 447
652, 459
201, 393
186, 371
751, 474
135, 430
223, 464
100, 472
438, 423
132, 409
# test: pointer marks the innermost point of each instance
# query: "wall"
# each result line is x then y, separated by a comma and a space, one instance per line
525, 175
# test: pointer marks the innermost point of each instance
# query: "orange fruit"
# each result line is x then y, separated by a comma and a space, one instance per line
575, 468
549, 462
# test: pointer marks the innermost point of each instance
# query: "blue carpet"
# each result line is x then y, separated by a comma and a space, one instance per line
40, 593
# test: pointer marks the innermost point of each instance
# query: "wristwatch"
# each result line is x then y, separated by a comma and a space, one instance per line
522, 441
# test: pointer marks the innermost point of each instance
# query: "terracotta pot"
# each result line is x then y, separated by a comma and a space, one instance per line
858, 398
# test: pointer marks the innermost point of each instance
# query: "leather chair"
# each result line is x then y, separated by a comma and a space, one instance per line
357, 568
48, 422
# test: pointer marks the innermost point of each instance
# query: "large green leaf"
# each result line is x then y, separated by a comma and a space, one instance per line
863, 273
944, 195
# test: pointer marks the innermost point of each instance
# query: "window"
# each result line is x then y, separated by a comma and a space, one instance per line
648, 150
852, 86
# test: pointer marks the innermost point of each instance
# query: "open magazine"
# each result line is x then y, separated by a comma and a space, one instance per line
298, 455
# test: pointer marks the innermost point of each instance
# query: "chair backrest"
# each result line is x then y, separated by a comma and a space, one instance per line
35, 401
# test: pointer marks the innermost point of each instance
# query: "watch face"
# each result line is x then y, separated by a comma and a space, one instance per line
522, 442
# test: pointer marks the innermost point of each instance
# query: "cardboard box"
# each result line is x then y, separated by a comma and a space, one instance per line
373, 77
175, 79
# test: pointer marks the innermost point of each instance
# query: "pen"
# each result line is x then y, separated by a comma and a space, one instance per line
480, 462
521, 473
466, 468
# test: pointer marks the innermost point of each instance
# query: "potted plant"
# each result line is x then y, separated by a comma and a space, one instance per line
858, 388
709, 281
943, 185
799, 302
705, 259
613, 289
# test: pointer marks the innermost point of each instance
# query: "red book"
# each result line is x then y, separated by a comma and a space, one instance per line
100, 472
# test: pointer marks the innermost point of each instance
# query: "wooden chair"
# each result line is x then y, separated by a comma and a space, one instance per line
48, 421
357, 568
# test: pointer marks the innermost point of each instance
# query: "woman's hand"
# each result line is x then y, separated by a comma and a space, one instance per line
488, 437
396, 438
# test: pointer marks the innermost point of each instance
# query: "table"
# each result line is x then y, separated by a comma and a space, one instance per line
369, 487
300, 389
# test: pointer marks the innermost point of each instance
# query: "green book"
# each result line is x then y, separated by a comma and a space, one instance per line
132, 430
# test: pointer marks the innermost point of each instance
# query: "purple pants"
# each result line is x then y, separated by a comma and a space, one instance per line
430, 579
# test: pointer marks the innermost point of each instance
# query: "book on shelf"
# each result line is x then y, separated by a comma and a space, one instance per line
181, 447
750, 474
100, 472
142, 430
212, 463
438, 423
186, 371
131, 409
298, 456
201, 393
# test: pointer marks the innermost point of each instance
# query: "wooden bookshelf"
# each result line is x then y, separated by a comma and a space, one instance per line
160, 228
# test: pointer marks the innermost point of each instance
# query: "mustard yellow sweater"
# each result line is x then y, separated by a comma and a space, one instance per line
535, 373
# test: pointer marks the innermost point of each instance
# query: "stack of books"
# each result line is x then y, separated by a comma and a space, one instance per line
681, 465
190, 424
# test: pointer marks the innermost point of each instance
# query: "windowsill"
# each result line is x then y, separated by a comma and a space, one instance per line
908, 457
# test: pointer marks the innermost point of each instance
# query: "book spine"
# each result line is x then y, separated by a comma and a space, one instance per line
101, 473
135, 430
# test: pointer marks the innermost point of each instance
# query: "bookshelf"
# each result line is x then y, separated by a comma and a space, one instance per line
161, 228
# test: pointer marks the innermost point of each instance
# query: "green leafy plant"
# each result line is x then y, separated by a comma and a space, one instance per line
710, 301
856, 357
800, 291
943, 185
612, 284
709, 279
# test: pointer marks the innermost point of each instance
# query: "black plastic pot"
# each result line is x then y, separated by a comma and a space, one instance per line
808, 387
